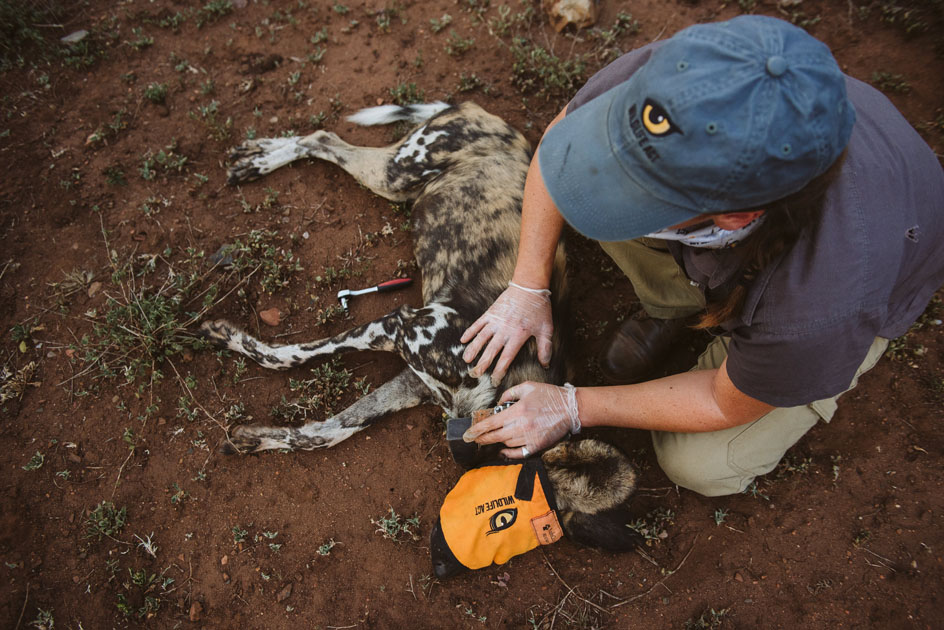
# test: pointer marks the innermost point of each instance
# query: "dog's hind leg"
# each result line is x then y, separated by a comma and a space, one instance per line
395, 172
404, 391
376, 335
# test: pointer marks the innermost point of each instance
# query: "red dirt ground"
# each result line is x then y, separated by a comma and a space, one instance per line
847, 534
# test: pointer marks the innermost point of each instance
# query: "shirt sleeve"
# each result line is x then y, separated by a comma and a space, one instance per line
791, 369
612, 75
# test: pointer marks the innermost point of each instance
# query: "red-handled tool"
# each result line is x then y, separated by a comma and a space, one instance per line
390, 285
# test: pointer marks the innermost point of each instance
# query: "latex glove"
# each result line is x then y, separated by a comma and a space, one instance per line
542, 416
517, 315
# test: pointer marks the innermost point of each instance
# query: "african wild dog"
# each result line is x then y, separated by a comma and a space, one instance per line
464, 171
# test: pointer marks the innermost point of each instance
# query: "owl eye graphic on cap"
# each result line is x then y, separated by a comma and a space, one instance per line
656, 120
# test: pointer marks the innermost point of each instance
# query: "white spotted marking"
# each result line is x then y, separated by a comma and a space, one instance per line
416, 150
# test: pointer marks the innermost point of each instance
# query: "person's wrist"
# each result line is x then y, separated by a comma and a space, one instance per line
573, 408
545, 292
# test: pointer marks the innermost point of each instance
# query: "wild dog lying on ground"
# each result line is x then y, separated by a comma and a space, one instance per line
464, 170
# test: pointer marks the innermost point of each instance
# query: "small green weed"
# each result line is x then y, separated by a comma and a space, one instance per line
325, 548
156, 92
910, 16
755, 491
239, 534
324, 391
406, 94
44, 620
212, 11
178, 495
653, 528
217, 127
105, 520
35, 463
167, 159
258, 254
862, 537
711, 618
396, 528
538, 71
438, 24
720, 515
456, 46
115, 175
470, 82
141, 40
890, 83
792, 465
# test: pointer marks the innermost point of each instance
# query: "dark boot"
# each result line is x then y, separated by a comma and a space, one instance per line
638, 347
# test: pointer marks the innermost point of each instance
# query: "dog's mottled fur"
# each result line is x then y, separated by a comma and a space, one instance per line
464, 171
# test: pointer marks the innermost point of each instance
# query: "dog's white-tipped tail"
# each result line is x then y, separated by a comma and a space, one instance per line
386, 114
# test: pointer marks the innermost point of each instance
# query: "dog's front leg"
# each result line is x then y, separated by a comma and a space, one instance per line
376, 335
404, 391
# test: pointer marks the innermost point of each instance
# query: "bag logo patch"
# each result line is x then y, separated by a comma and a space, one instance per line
502, 520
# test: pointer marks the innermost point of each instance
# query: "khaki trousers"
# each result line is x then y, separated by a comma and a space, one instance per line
723, 462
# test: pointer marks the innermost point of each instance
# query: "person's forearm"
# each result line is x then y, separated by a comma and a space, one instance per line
541, 226
681, 403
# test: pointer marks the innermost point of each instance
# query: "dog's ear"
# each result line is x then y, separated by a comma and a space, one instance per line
593, 483
607, 530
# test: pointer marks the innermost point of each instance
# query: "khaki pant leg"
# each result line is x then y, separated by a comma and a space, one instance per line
660, 284
719, 463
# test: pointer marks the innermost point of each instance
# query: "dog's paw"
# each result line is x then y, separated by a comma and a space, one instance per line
219, 332
243, 167
239, 442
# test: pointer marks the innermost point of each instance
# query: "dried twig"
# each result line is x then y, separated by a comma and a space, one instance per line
660, 582
23, 611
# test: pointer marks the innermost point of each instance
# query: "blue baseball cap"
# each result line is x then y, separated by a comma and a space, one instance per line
722, 117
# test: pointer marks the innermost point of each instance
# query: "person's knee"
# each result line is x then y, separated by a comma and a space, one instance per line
689, 464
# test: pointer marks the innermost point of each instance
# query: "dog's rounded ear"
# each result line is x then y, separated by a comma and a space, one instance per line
589, 475
593, 483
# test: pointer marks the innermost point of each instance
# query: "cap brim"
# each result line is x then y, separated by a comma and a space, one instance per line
591, 186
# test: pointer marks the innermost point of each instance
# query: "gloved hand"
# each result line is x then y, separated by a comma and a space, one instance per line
542, 416
517, 315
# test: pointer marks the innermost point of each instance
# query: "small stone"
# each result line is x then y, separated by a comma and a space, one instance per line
70, 352
74, 37
284, 593
94, 288
225, 577
75, 459
274, 119
738, 577
224, 561
196, 611
75, 579
380, 101
271, 316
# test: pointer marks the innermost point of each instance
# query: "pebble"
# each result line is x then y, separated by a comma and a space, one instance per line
738, 577
224, 561
271, 316
196, 611
94, 288
284, 593
74, 37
